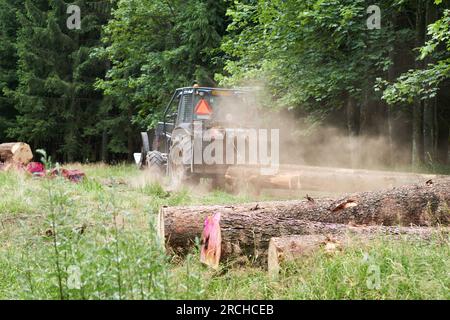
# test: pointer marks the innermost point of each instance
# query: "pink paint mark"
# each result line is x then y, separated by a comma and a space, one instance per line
211, 241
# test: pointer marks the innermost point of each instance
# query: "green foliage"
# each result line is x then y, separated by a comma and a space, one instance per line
58, 107
157, 46
45, 158
425, 83
309, 53
8, 61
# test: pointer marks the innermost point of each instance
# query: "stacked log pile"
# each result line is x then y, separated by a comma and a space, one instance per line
14, 155
293, 177
247, 229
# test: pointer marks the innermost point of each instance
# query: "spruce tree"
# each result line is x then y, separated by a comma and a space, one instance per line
56, 101
157, 46
8, 62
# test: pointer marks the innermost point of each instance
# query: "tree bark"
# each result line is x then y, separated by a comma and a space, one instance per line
104, 147
443, 134
400, 115
417, 138
418, 130
247, 228
391, 75
428, 131
430, 108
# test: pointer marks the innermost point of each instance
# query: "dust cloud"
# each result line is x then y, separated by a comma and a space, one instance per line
321, 150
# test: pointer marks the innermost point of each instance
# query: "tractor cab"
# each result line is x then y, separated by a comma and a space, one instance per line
213, 106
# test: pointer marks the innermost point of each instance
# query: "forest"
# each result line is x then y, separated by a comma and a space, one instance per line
369, 68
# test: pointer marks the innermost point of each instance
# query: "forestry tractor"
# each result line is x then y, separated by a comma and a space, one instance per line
195, 118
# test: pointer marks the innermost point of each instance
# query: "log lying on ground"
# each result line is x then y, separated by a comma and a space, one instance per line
241, 178
290, 248
353, 180
322, 178
426, 204
281, 181
15, 154
248, 228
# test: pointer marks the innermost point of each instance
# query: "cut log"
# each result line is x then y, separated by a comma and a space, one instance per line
323, 178
239, 177
353, 180
294, 247
248, 228
248, 234
16, 153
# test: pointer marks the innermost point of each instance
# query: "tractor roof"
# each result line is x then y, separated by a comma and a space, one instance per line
208, 89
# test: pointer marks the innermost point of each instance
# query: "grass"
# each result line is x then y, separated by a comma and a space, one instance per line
96, 240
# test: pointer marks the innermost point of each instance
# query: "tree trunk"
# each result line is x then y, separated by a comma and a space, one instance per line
321, 178
391, 75
367, 114
443, 142
353, 129
429, 114
373, 129
130, 146
130, 138
443, 134
428, 131
418, 130
104, 147
247, 228
417, 139
16, 153
400, 117
290, 248
390, 130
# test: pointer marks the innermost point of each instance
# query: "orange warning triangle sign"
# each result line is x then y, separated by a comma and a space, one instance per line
203, 108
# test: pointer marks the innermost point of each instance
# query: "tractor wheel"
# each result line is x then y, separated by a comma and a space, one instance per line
219, 183
179, 176
155, 161
178, 170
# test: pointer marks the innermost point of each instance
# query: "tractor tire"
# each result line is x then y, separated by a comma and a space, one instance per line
156, 162
219, 183
178, 171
